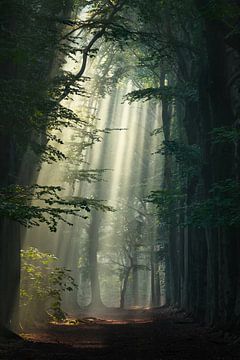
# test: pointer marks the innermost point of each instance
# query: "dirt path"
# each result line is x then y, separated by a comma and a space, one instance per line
159, 334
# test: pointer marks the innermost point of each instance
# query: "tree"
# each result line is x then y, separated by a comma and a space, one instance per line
32, 86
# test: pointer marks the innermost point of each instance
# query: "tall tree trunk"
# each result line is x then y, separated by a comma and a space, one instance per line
158, 289
124, 287
153, 288
93, 233
135, 279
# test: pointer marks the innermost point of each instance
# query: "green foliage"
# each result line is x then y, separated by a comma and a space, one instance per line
33, 116
157, 131
34, 205
225, 134
223, 10
165, 93
30, 98
189, 157
90, 175
26, 55
221, 208
43, 283
167, 203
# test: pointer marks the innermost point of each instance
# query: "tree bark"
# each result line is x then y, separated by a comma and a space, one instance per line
124, 287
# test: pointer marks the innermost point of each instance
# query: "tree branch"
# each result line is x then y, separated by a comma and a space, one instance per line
86, 50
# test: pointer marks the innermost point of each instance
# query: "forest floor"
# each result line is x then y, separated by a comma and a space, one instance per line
131, 334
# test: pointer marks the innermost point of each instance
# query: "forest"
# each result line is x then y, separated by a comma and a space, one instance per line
119, 185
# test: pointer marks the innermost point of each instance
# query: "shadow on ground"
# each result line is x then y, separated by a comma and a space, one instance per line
135, 334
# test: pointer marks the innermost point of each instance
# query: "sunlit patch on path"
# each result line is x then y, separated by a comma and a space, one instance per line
89, 332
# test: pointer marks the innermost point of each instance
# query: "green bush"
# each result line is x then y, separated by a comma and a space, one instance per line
42, 286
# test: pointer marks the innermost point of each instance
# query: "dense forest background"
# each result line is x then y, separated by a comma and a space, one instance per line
182, 227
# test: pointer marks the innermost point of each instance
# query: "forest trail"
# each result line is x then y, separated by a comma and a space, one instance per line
135, 334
